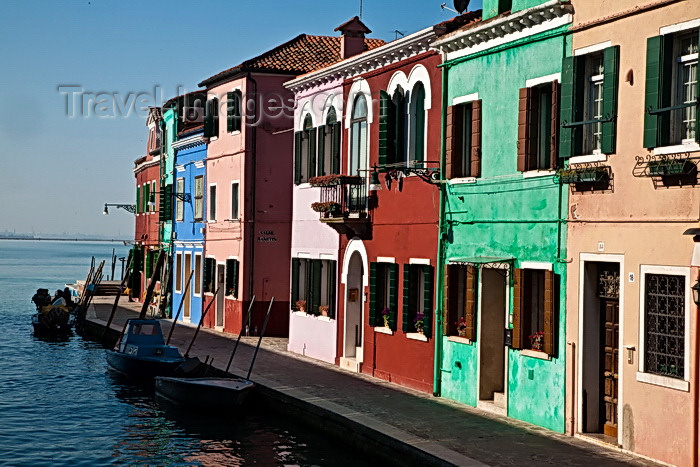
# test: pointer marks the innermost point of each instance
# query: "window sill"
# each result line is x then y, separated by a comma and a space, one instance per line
538, 173
416, 336
230, 297
462, 180
664, 381
383, 330
535, 354
305, 185
680, 148
460, 340
588, 158
234, 133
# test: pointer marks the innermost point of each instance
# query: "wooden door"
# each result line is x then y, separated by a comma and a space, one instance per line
610, 340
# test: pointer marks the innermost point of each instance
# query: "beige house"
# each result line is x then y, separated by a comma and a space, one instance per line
630, 134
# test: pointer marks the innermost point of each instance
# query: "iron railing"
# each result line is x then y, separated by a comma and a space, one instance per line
352, 197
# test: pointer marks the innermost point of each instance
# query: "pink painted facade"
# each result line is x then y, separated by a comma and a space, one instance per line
629, 257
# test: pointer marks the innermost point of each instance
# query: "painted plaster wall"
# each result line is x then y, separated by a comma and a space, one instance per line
512, 217
178, 296
659, 430
168, 166
312, 336
264, 210
404, 226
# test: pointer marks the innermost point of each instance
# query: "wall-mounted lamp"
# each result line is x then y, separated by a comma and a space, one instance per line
127, 207
374, 183
696, 292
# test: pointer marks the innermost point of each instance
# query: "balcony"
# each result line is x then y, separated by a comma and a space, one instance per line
343, 204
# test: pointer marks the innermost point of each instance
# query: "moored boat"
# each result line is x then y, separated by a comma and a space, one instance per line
204, 392
142, 351
54, 316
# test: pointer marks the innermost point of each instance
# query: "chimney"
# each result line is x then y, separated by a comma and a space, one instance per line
352, 37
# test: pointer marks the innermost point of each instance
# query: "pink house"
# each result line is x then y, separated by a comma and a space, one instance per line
248, 184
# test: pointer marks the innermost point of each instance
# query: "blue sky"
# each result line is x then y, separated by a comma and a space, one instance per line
56, 171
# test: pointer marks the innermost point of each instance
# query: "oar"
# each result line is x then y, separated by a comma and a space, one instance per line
179, 309
246, 322
201, 320
267, 316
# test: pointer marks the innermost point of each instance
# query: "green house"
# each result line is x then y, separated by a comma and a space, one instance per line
501, 340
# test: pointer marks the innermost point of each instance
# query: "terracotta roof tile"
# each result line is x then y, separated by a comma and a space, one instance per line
300, 55
468, 18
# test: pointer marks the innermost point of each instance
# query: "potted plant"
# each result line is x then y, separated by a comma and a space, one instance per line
462, 327
418, 323
301, 305
335, 179
323, 309
385, 316
326, 207
537, 340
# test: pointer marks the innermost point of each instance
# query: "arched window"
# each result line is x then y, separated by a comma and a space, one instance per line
417, 124
358, 136
305, 152
329, 145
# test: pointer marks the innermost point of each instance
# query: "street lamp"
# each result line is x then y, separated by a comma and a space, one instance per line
185, 197
696, 292
127, 207
374, 184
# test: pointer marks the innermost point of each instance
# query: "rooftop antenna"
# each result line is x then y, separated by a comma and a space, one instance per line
444, 7
360, 9
397, 33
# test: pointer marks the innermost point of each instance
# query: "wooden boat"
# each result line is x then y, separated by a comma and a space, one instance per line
142, 351
204, 392
55, 319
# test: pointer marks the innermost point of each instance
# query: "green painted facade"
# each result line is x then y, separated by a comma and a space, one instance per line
506, 215
167, 168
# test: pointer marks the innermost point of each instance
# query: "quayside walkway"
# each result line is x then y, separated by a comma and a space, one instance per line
402, 426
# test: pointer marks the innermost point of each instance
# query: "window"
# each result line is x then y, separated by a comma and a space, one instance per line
178, 272
329, 145
533, 310
313, 285
154, 139
232, 266
209, 274
211, 118
197, 274
234, 200
358, 136
671, 90
180, 204
305, 152
233, 112
392, 127
145, 196
537, 127
152, 197
198, 198
383, 296
138, 199
460, 301
417, 297
665, 324
463, 158
416, 124
212, 203
589, 103
165, 204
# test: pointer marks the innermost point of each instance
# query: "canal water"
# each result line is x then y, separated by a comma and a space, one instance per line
60, 405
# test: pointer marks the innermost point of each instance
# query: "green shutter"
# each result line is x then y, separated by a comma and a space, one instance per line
332, 265
165, 212
567, 104
295, 282
384, 105
393, 294
406, 315
208, 273
427, 300
321, 155
138, 199
651, 98
372, 294
237, 114
611, 76
209, 119
149, 263
420, 124
215, 105
312, 153
335, 147
229, 277
316, 267
297, 157
229, 112
236, 267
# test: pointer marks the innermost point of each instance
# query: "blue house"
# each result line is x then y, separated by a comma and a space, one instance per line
188, 221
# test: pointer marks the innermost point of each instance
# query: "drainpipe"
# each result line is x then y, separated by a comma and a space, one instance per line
251, 222
437, 364
696, 384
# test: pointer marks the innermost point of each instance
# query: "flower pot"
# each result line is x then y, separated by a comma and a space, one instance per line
462, 332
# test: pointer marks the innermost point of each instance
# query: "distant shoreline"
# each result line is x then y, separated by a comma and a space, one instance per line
114, 240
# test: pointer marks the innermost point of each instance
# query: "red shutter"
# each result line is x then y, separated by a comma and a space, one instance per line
518, 289
554, 141
476, 139
470, 303
523, 128
548, 341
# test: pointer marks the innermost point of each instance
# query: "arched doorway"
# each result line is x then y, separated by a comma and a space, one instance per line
354, 304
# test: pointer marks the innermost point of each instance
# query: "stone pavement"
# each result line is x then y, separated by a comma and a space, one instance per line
423, 428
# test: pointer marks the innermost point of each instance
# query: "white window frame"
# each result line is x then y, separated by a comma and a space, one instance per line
178, 272
180, 204
198, 274
658, 380
236, 208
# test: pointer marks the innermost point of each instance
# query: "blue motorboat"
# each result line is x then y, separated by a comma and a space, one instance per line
142, 351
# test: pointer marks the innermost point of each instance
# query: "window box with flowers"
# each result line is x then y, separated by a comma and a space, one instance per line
418, 323
301, 305
326, 207
335, 179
